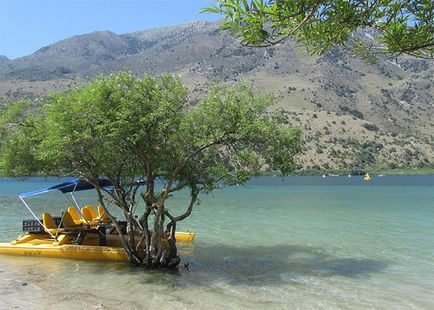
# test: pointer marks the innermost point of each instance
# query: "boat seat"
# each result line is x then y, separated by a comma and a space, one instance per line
102, 215
49, 223
92, 211
76, 217
68, 221
87, 215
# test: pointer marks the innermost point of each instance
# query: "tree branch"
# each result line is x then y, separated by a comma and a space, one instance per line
292, 31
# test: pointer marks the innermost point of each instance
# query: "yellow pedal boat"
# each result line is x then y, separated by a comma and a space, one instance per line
42, 245
85, 234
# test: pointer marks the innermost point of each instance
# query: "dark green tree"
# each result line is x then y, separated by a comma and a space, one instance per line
140, 134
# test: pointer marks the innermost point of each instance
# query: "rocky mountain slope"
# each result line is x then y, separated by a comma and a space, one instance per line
3, 59
354, 115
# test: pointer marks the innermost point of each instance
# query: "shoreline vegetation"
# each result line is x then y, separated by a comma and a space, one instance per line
429, 170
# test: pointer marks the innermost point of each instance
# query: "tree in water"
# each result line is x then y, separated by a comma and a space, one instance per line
400, 27
141, 135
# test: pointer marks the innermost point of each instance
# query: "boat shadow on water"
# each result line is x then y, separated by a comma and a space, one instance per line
262, 265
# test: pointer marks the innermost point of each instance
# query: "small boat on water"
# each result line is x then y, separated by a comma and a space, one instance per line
367, 177
79, 233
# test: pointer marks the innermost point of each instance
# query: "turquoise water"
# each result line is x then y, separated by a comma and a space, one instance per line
301, 243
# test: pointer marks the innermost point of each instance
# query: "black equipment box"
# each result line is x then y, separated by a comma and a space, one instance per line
35, 227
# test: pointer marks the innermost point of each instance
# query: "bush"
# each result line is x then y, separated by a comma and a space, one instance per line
371, 127
354, 112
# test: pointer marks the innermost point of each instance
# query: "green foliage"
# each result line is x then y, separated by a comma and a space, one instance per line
107, 127
402, 27
371, 127
353, 112
126, 128
138, 132
19, 134
242, 136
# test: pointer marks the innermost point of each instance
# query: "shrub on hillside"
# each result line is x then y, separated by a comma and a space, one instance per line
370, 127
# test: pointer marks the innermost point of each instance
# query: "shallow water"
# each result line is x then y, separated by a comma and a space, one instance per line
302, 243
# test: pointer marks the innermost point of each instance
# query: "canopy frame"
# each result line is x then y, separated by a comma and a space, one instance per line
66, 187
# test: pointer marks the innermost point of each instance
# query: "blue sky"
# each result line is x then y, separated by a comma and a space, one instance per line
27, 25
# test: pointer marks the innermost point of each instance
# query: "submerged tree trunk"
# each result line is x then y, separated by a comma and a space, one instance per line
143, 247
154, 248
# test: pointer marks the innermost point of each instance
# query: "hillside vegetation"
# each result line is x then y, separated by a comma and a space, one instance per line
354, 115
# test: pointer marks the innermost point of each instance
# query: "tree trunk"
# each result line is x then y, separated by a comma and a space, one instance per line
157, 235
143, 246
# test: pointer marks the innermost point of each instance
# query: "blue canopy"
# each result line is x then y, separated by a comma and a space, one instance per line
70, 186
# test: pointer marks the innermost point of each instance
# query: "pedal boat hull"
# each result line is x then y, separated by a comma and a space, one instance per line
34, 245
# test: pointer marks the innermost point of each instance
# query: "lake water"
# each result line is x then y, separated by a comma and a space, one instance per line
298, 243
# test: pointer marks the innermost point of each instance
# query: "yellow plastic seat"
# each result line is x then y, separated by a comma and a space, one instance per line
49, 223
87, 215
102, 215
76, 217
68, 221
91, 211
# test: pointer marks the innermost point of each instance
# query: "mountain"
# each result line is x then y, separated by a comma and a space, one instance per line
3, 61
152, 52
353, 114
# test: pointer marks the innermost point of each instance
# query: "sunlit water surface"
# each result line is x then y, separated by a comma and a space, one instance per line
298, 243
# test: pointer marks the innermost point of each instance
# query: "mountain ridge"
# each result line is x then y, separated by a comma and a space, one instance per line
335, 98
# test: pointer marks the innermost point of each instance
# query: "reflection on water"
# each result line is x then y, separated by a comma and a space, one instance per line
263, 246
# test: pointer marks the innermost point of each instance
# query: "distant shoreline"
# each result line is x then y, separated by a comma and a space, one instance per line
428, 171
402, 171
